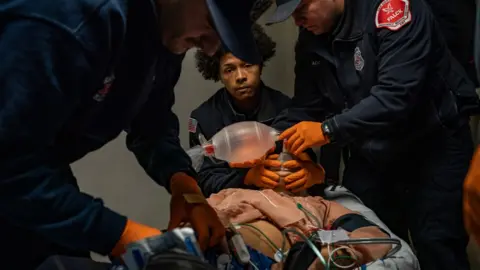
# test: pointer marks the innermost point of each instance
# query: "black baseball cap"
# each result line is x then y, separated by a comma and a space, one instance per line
284, 9
234, 26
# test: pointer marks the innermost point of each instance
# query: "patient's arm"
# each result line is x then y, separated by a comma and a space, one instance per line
257, 240
363, 253
358, 228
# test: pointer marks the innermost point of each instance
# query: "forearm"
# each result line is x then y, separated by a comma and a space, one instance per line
161, 158
214, 178
289, 117
42, 200
153, 135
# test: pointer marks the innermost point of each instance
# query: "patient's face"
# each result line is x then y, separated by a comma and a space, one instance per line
241, 79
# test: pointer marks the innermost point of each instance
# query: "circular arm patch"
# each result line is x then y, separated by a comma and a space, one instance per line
393, 14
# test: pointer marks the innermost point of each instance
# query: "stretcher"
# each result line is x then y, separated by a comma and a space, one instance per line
400, 256
404, 259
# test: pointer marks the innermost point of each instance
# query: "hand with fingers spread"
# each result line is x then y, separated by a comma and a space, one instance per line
302, 136
261, 176
188, 204
307, 173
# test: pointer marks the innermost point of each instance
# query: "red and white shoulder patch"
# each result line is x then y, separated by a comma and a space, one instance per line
393, 14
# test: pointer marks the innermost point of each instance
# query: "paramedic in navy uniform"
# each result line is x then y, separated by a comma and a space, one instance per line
402, 105
73, 75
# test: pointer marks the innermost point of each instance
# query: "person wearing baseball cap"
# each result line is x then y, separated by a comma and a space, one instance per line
86, 71
377, 78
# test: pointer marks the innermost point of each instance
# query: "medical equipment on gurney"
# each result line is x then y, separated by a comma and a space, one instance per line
400, 256
404, 259
153, 251
323, 236
335, 240
239, 142
311, 242
176, 249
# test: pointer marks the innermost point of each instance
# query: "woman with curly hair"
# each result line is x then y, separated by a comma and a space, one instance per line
244, 97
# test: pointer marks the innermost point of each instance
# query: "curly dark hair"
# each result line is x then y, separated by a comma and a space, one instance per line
209, 66
259, 7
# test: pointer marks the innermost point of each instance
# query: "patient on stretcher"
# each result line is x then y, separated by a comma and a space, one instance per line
261, 215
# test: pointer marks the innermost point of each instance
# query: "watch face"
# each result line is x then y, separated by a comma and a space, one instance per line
327, 131
326, 128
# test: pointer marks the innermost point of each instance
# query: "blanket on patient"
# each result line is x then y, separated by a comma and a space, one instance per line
244, 206
241, 206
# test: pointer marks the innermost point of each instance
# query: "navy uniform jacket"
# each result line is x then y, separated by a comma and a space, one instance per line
380, 89
75, 74
215, 114
457, 23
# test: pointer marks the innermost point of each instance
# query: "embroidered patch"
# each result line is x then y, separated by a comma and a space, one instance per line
393, 14
192, 125
358, 60
107, 85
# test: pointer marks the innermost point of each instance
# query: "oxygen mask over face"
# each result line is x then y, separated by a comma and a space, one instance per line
239, 142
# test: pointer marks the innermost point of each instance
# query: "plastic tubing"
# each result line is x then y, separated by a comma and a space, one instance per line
309, 243
374, 241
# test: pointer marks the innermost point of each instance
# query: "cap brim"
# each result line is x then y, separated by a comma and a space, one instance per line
283, 12
233, 24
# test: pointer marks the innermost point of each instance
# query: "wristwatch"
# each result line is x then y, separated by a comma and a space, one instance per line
327, 130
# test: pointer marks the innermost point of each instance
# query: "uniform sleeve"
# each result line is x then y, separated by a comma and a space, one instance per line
154, 133
308, 103
42, 74
403, 59
214, 175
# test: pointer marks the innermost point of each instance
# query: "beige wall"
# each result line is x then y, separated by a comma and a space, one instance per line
113, 173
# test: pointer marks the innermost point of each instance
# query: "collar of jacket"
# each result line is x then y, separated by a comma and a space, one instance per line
352, 22
264, 112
